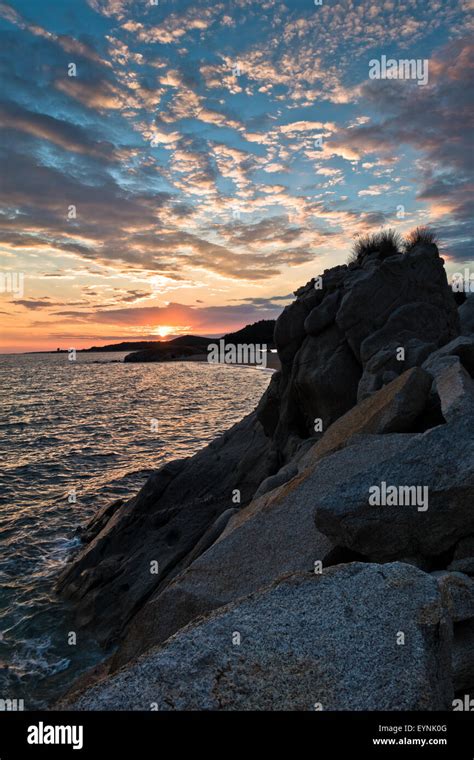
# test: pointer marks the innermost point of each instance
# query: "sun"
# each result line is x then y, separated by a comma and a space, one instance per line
164, 330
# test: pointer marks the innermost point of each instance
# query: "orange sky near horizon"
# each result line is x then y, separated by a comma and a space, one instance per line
185, 167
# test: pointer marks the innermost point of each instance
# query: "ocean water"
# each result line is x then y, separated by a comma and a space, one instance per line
73, 437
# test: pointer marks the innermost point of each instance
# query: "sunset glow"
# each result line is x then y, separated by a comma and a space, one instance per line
186, 166
164, 330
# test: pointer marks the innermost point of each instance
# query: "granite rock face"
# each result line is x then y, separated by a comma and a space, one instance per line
258, 545
301, 644
275, 534
428, 519
375, 387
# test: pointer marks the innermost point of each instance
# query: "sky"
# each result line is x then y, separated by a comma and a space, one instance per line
183, 167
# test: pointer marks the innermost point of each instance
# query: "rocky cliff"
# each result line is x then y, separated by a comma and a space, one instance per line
282, 582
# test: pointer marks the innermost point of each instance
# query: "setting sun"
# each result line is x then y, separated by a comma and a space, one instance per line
164, 330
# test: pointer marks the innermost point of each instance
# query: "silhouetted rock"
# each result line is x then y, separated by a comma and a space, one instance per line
351, 332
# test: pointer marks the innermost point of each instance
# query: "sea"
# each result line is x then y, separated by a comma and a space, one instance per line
75, 435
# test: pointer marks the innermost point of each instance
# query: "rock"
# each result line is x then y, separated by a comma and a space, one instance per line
211, 535
301, 643
455, 390
289, 328
405, 323
393, 409
457, 591
384, 365
466, 315
276, 533
404, 280
465, 565
98, 521
339, 344
462, 347
324, 379
397, 407
259, 544
322, 316
440, 460
269, 405
463, 558
282, 476
111, 576
463, 657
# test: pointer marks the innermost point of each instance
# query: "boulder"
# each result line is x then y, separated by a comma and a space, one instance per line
455, 388
385, 365
324, 379
304, 643
276, 533
416, 278
457, 590
461, 347
438, 463
289, 328
382, 419
393, 409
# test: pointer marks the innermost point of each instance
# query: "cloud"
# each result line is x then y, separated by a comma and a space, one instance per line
67, 43
58, 131
40, 303
101, 94
187, 144
374, 190
436, 120
179, 316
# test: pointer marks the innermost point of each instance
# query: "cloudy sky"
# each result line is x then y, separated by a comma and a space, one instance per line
183, 167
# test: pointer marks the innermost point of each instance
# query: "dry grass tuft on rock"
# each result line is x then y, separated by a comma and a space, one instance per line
385, 243
420, 236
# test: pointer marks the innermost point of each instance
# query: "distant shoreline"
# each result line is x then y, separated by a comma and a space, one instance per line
273, 362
